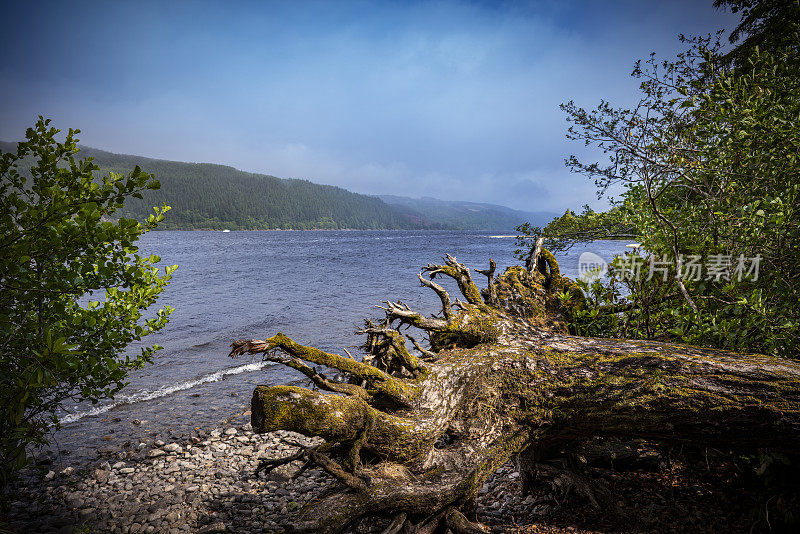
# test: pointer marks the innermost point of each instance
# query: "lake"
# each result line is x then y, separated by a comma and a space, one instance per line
314, 286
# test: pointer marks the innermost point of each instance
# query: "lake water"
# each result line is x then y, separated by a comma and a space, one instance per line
314, 286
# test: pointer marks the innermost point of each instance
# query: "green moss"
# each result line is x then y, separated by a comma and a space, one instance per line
642, 388
531, 296
308, 412
381, 383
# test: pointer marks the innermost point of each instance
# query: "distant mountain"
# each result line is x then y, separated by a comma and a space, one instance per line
209, 196
467, 215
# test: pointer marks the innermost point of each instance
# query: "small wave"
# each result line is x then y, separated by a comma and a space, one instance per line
501, 236
393, 237
164, 391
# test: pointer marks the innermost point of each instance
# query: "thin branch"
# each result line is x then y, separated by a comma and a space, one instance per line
376, 379
397, 311
444, 296
426, 354
489, 273
460, 274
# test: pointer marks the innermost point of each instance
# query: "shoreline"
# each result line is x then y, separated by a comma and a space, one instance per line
204, 483
200, 483
487, 232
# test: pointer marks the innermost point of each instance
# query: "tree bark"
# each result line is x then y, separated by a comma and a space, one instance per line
418, 435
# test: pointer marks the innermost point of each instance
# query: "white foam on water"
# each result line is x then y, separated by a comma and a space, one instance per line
501, 236
163, 391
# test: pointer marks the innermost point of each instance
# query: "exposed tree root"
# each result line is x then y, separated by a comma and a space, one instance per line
414, 431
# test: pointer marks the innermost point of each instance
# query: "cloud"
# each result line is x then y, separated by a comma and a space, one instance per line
457, 100
528, 190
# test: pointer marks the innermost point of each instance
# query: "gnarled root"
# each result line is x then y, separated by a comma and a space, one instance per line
460, 274
415, 431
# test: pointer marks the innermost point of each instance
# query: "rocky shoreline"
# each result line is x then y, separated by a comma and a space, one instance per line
204, 483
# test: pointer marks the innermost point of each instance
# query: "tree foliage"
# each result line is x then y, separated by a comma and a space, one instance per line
766, 25
572, 228
59, 251
707, 163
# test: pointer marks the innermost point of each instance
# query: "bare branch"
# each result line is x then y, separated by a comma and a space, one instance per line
376, 379
320, 380
460, 274
397, 311
491, 293
268, 465
313, 456
426, 354
337, 471
444, 296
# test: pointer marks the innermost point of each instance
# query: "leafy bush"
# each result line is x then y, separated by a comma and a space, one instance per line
59, 248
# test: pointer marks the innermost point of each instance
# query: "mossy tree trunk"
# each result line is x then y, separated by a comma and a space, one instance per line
416, 432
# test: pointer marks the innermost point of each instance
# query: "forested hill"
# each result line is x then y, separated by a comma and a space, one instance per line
209, 196
468, 215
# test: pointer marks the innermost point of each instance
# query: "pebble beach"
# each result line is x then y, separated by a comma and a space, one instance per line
203, 483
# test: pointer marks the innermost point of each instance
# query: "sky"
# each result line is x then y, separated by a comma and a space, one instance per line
447, 99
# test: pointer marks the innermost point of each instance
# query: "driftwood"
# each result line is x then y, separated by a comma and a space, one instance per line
414, 433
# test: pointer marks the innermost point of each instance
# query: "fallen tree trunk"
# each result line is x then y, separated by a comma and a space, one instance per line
416, 435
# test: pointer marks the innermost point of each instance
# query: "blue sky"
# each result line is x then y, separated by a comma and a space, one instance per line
455, 100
